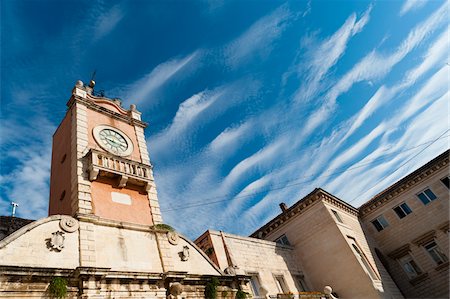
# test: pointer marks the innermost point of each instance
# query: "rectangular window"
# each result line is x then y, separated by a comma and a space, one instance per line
255, 285
409, 266
446, 182
380, 223
338, 217
283, 240
301, 283
281, 284
426, 196
435, 252
402, 210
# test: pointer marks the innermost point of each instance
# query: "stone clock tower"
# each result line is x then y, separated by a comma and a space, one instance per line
100, 163
102, 238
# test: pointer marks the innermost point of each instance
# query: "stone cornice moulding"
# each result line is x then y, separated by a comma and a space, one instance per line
404, 184
267, 243
299, 207
424, 238
444, 226
400, 252
94, 106
35, 271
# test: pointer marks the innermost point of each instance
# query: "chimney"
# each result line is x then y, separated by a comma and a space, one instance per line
283, 207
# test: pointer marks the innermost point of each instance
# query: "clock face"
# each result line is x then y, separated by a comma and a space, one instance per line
113, 140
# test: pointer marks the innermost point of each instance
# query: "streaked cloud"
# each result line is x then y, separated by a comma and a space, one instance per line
107, 21
322, 57
141, 91
257, 40
411, 5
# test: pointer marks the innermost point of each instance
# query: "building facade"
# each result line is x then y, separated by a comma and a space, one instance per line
395, 245
409, 227
272, 267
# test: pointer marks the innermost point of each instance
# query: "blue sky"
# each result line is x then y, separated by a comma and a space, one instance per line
250, 103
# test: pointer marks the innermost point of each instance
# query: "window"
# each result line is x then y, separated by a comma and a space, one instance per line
63, 194
426, 196
435, 252
254, 284
281, 285
402, 210
409, 266
338, 217
363, 260
380, 223
283, 240
301, 283
446, 182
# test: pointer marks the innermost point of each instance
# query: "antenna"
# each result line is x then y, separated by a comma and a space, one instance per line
14, 206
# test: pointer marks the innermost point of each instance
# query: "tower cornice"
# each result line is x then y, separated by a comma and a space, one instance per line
132, 116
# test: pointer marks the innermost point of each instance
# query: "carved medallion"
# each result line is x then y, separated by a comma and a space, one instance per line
56, 242
173, 238
68, 224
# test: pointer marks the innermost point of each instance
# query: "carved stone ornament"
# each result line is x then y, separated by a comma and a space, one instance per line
230, 270
68, 224
184, 254
56, 242
173, 238
176, 289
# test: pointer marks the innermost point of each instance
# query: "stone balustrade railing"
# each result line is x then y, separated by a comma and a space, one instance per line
125, 169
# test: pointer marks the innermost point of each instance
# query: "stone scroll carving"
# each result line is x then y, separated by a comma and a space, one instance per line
173, 238
68, 224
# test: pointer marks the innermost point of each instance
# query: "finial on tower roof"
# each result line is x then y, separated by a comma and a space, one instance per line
79, 83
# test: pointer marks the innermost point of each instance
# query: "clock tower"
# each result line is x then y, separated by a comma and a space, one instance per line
100, 164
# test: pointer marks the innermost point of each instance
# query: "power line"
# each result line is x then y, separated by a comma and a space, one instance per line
407, 161
313, 177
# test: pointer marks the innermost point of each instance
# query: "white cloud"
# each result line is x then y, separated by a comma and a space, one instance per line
259, 37
422, 128
362, 21
264, 156
435, 55
232, 137
187, 113
411, 5
28, 183
107, 22
322, 57
356, 149
434, 88
374, 66
142, 90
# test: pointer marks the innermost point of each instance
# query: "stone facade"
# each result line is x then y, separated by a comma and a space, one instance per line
409, 226
263, 261
395, 245
330, 246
